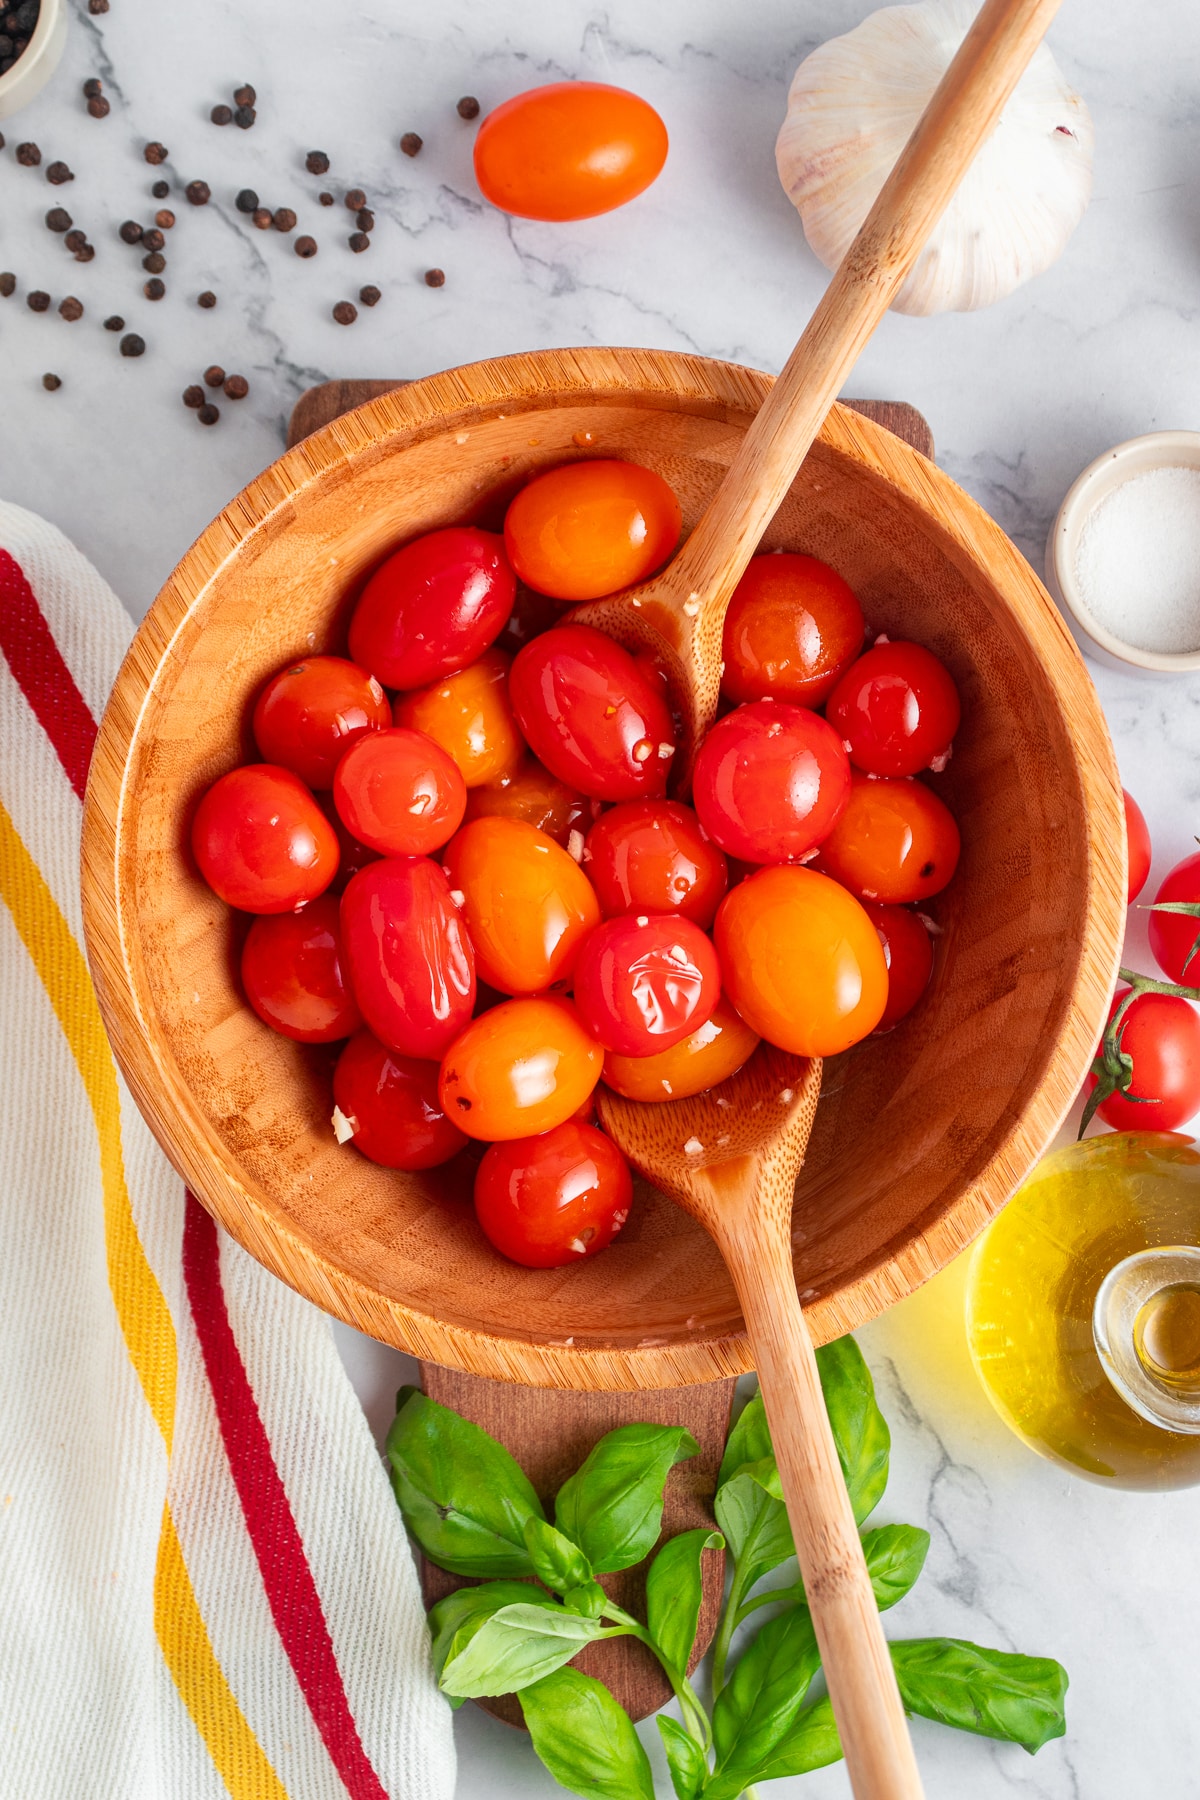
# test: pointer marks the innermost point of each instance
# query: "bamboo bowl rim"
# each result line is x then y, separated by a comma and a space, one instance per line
408, 416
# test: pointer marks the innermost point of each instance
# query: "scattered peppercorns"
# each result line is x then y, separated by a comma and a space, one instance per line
155, 263
58, 173
207, 299
154, 289
71, 309
263, 217
247, 201
355, 200
325, 199
306, 246
161, 189
37, 301
208, 414
58, 219
370, 296
92, 87
51, 383
244, 118
194, 397
359, 241
198, 192
365, 219
96, 7
164, 219
114, 322
468, 107
75, 240
214, 376
285, 219
435, 278
28, 155
236, 387
8, 283
98, 107
245, 95
132, 344
345, 312
85, 253
316, 162
155, 153
130, 232
221, 115
153, 239
411, 143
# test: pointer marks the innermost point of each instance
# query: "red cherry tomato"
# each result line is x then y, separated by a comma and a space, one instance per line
522, 1068
646, 981
793, 625
433, 607
569, 150
1161, 1033
293, 974
552, 1200
1137, 834
655, 856
354, 856
261, 841
527, 904
908, 953
391, 1106
895, 842
897, 710
310, 713
771, 782
410, 960
1173, 934
590, 528
593, 715
400, 793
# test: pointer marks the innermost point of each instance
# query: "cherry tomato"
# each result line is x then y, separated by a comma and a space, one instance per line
792, 627
897, 710
801, 961
294, 974
353, 855
531, 615
593, 714
895, 842
528, 906
310, 713
1137, 834
908, 953
400, 793
655, 856
552, 1200
771, 781
590, 528
261, 841
1161, 1034
520, 1069
1173, 934
535, 796
410, 959
391, 1104
646, 981
469, 715
433, 607
710, 1055
569, 150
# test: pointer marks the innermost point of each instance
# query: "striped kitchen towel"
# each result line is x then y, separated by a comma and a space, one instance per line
204, 1583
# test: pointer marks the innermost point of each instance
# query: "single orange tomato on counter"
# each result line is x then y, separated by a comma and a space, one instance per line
801, 961
528, 906
310, 713
590, 528
792, 627
552, 1200
522, 1068
895, 842
532, 794
570, 150
469, 715
655, 856
710, 1055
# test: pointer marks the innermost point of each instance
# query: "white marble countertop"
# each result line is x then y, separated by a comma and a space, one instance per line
711, 259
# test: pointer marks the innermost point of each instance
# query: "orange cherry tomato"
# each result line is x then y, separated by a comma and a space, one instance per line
792, 627
717, 1050
655, 856
569, 150
528, 906
895, 842
531, 793
520, 1069
469, 715
590, 528
801, 961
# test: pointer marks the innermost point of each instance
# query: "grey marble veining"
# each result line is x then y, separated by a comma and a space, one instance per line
712, 259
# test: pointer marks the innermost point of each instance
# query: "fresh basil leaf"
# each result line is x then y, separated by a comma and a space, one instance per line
585, 1739
556, 1560
996, 1693
812, 1742
755, 1526
612, 1506
749, 1439
463, 1497
470, 1608
589, 1600
517, 1645
895, 1556
674, 1590
859, 1428
758, 1706
685, 1759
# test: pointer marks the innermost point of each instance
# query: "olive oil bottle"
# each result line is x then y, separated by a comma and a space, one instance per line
1083, 1310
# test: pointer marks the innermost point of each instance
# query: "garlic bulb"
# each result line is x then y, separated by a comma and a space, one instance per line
851, 108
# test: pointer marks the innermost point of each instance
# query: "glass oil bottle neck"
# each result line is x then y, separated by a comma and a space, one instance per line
1146, 1325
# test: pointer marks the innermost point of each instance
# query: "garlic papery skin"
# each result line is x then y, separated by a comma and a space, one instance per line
851, 109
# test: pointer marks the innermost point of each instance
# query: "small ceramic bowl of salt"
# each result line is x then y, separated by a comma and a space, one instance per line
1123, 555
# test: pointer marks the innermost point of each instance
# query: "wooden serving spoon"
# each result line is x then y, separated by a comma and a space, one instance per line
730, 1157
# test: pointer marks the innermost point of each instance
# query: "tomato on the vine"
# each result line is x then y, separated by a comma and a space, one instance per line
1160, 1033
310, 713
261, 841
793, 625
294, 974
569, 150
1172, 934
552, 1200
1137, 836
896, 708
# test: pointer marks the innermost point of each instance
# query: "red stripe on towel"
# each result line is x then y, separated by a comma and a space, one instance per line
43, 677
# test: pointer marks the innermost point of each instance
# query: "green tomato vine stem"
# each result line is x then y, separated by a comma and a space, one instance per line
1113, 1067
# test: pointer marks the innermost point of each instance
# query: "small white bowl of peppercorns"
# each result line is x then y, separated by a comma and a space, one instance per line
32, 36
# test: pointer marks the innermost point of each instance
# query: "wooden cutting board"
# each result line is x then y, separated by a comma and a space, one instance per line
550, 1431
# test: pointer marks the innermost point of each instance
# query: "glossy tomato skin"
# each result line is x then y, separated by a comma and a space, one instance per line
801, 962
792, 627
433, 607
551, 1200
896, 842
294, 977
593, 715
646, 981
400, 793
536, 797
1137, 835
353, 855
908, 953
469, 714
261, 841
1161, 1032
391, 1102
591, 528
655, 856
520, 1069
528, 906
771, 782
310, 713
713, 1052
1173, 934
570, 150
897, 709
410, 959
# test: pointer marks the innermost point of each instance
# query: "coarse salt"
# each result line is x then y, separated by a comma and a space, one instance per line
1137, 563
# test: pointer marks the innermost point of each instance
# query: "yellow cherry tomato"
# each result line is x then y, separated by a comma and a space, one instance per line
588, 528
528, 905
714, 1052
468, 714
519, 1069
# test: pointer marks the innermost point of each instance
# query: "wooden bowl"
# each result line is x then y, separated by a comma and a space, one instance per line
921, 1135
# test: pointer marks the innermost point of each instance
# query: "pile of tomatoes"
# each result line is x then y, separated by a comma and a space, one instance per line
460, 855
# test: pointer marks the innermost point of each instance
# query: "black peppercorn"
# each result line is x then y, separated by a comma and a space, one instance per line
93, 87
154, 289
99, 107
359, 241
316, 162
370, 296
85, 253
161, 189
155, 263
51, 383
130, 232
245, 95
244, 117
58, 173
468, 107
75, 240
325, 199
247, 201
133, 345
285, 219
96, 7
306, 246
198, 192
236, 387
208, 414
28, 155
435, 278
356, 200
164, 219
58, 219
155, 153
365, 219
207, 299
345, 312
410, 143
193, 397
71, 309
153, 239
214, 375
114, 323
38, 301
221, 115
8, 283
263, 218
